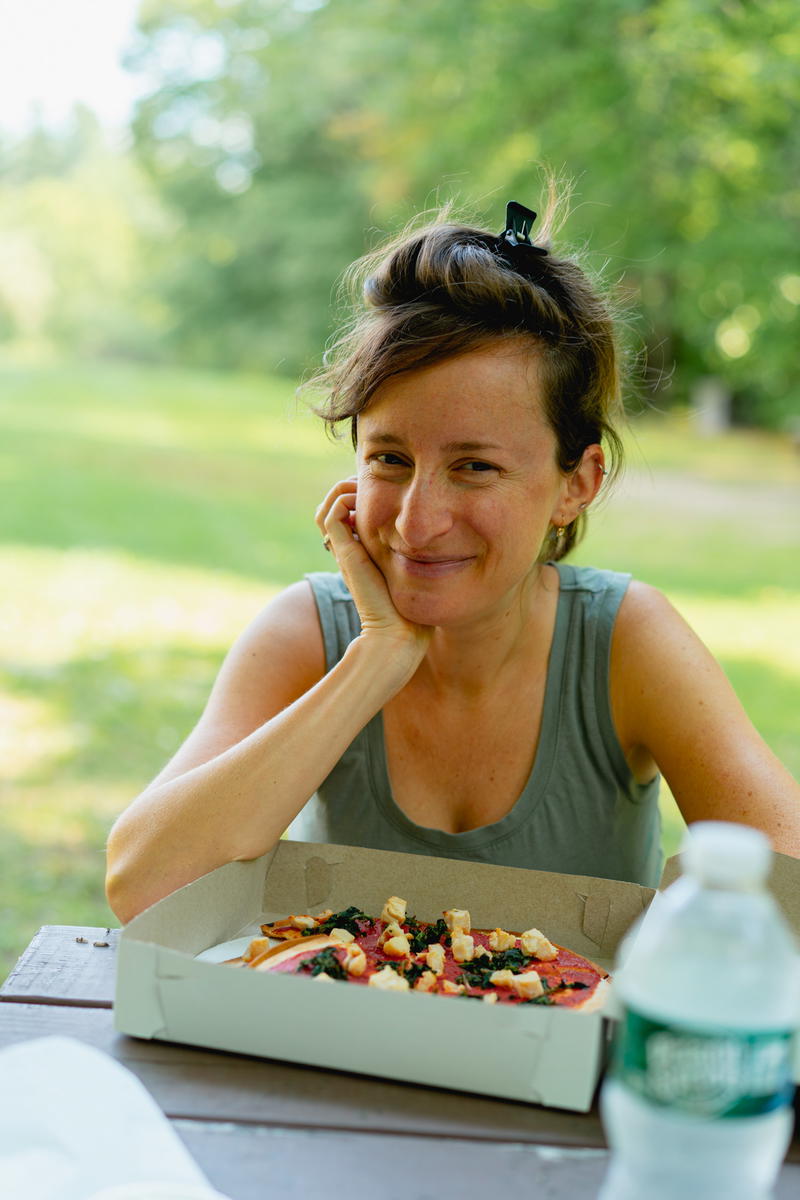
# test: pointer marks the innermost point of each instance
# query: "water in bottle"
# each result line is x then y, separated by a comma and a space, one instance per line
697, 1102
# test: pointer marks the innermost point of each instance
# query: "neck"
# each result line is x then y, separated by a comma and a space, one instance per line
470, 659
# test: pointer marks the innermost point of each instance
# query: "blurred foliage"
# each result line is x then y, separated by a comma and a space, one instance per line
80, 229
281, 138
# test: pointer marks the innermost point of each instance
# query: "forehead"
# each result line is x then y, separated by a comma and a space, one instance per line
484, 395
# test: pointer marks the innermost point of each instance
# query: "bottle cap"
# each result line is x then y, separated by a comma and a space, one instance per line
725, 855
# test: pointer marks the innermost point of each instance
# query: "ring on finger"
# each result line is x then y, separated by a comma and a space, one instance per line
326, 541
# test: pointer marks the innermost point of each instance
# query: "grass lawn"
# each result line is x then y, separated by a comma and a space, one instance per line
149, 513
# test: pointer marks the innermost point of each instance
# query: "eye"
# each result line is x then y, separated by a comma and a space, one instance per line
389, 460
387, 463
476, 467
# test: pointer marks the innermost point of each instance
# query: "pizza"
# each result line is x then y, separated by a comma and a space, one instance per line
396, 952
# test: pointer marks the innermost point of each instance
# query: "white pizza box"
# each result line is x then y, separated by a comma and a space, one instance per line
542, 1055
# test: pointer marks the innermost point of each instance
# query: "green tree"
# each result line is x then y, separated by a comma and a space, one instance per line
280, 132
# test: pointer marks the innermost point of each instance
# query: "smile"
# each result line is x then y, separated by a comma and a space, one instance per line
430, 568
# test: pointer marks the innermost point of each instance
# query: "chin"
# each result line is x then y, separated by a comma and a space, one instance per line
428, 610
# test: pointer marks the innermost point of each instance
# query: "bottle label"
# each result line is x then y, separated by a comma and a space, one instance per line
703, 1073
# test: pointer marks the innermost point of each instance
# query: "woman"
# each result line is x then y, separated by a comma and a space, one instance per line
458, 690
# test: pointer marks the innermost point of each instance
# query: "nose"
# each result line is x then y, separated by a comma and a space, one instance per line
425, 513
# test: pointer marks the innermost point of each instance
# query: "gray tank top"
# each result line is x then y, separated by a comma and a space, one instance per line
581, 811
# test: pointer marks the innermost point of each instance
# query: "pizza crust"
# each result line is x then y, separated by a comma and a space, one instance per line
283, 950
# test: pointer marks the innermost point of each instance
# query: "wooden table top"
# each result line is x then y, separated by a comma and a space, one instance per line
246, 1120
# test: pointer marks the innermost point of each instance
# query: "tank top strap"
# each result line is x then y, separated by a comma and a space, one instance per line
338, 615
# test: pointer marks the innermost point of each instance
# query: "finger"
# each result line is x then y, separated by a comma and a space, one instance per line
337, 526
343, 487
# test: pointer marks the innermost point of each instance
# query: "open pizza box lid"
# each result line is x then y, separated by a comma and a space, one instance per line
171, 984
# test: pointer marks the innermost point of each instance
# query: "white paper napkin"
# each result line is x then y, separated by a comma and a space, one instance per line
76, 1125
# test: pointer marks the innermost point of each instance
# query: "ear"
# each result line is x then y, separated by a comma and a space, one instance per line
581, 487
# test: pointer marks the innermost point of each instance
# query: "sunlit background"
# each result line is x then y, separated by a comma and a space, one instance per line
182, 183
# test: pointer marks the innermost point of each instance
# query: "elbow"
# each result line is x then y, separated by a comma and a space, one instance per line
118, 899
118, 895
123, 881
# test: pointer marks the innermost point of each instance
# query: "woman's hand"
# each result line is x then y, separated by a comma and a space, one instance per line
335, 518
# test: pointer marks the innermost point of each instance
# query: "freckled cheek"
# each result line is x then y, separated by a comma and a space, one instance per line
372, 512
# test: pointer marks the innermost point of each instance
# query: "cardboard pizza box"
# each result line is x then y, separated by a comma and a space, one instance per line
172, 984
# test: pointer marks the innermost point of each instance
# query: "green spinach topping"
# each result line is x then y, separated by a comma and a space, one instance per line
477, 973
420, 938
413, 972
325, 961
409, 971
390, 962
348, 919
557, 985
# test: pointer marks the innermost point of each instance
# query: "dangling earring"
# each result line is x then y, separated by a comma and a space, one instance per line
560, 536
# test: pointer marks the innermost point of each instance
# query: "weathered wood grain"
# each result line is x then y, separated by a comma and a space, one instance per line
66, 964
250, 1163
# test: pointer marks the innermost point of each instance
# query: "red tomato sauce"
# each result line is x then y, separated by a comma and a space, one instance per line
566, 968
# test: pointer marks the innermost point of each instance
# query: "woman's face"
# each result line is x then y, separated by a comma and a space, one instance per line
458, 484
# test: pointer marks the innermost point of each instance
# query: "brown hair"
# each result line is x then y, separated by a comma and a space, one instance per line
443, 290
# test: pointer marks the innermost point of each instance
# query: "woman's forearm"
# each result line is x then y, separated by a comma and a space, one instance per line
237, 804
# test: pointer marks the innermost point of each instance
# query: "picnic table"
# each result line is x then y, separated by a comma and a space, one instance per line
258, 1126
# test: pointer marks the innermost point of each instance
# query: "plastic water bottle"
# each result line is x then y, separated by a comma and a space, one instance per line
697, 1102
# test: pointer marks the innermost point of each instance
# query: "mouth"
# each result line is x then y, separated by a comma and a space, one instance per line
426, 566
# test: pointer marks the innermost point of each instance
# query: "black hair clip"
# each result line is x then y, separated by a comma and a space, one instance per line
517, 232
514, 246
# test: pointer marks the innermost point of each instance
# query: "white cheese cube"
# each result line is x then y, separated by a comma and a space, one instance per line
388, 981
426, 982
355, 960
463, 947
256, 947
500, 940
457, 919
342, 935
394, 909
528, 985
435, 958
532, 941
303, 922
397, 947
391, 930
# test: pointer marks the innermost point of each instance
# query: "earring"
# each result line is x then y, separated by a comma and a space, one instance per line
560, 536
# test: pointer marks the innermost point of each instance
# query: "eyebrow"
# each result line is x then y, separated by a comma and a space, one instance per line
391, 439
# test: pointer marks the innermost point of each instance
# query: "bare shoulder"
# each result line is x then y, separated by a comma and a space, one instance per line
646, 614
280, 655
660, 668
650, 634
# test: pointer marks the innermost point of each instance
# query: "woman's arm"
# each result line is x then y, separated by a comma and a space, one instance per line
274, 727
673, 703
